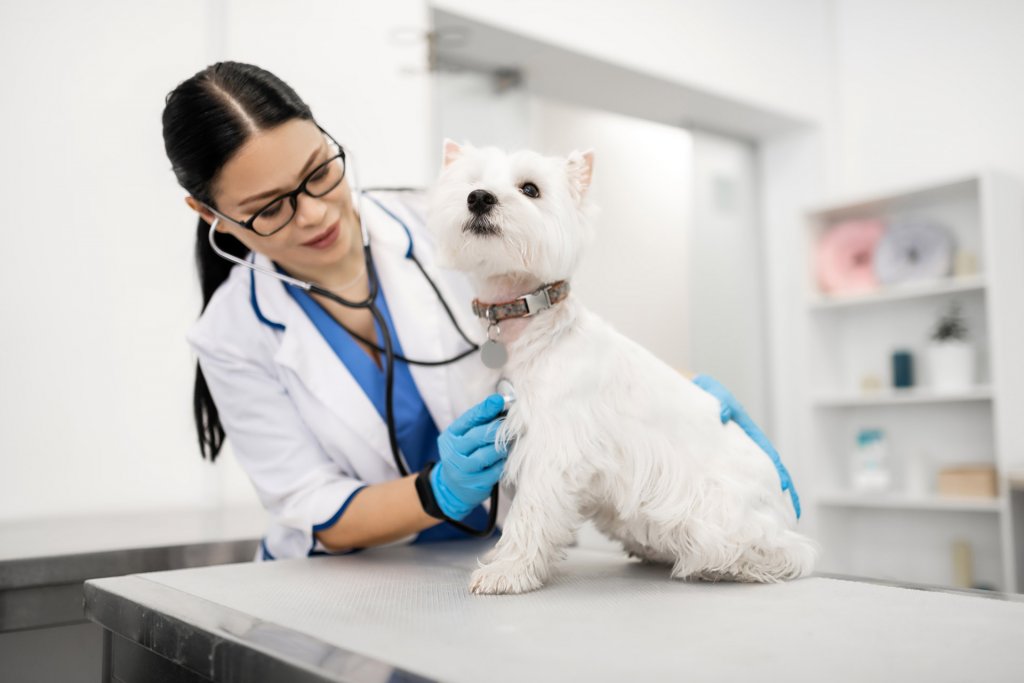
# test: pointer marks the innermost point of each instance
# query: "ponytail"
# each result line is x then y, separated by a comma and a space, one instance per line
213, 270
205, 120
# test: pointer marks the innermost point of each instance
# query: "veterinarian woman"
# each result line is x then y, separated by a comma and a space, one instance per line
301, 399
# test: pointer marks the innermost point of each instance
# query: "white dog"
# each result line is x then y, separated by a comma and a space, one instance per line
602, 429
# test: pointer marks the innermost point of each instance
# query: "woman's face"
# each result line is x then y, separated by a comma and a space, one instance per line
269, 164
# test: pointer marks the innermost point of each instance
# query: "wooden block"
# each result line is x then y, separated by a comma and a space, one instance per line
976, 481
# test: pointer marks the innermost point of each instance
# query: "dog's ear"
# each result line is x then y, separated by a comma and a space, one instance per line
580, 167
450, 151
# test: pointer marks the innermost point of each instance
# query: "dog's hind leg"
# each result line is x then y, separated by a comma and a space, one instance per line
788, 556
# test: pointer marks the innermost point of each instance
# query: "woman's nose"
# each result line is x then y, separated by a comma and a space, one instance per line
309, 210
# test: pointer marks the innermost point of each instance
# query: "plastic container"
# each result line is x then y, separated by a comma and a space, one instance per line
870, 468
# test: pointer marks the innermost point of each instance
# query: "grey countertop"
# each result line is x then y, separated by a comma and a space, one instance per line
405, 613
43, 562
42, 551
77, 534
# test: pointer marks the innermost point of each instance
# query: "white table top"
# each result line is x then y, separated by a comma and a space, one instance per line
602, 618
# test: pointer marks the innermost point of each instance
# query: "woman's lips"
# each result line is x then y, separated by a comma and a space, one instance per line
324, 240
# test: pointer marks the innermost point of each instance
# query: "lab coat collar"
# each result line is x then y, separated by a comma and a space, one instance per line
418, 317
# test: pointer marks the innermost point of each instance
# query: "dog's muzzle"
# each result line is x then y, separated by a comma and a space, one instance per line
479, 225
480, 203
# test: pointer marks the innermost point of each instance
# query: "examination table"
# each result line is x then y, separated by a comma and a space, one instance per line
405, 614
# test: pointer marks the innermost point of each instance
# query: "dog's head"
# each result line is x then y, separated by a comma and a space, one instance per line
494, 213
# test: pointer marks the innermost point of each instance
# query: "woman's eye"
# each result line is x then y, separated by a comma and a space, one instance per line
271, 210
319, 174
530, 190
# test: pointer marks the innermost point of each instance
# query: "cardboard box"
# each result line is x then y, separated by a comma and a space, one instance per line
973, 481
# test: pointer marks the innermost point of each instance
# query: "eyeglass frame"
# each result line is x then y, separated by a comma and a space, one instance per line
293, 196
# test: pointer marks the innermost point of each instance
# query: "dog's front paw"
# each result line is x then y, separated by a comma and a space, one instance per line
503, 578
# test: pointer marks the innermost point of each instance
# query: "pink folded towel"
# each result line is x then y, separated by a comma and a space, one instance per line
846, 254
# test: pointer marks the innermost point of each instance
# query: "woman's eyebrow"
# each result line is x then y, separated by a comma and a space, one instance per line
271, 193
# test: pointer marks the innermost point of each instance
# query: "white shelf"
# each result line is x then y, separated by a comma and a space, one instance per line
896, 501
915, 290
923, 194
903, 397
853, 336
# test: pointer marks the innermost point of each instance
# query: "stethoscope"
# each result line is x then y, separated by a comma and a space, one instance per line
388, 349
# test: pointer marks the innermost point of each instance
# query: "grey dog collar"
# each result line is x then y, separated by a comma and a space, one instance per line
540, 299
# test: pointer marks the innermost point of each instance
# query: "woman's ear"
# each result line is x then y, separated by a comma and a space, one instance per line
201, 209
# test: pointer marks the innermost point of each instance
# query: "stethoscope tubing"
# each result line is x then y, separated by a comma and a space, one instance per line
387, 349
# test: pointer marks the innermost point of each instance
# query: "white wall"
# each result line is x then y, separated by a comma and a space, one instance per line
96, 376
642, 185
636, 271
762, 53
468, 108
357, 66
927, 89
94, 399
726, 274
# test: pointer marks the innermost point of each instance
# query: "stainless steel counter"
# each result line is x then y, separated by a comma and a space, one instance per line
404, 613
43, 562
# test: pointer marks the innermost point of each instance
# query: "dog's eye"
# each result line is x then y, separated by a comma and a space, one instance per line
530, 190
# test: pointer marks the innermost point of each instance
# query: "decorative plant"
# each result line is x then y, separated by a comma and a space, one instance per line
951, 326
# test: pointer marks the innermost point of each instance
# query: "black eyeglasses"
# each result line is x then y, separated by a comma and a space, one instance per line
278, 212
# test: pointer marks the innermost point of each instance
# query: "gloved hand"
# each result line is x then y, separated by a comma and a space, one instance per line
732, 410
470, 463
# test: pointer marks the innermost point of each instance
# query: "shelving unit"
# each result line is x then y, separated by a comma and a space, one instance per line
963, 284
908, 502
907, 532
904, 397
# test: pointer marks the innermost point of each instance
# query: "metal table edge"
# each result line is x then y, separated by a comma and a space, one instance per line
211, 640
925, 587
47, 570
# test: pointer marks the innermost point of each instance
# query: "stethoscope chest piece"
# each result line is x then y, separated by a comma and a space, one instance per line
507, 391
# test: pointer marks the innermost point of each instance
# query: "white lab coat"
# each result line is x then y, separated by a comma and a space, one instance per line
298, 422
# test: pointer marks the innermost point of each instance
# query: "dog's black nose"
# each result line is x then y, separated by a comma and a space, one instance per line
481, 201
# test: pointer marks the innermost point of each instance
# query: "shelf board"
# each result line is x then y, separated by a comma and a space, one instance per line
922, 194
900, 293
896, 501
904, 397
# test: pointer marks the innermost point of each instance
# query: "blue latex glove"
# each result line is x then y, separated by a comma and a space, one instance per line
732, 410
470, 464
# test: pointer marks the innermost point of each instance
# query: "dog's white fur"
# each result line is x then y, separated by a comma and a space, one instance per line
601, 428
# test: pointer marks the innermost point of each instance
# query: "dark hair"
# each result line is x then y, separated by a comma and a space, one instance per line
205, 120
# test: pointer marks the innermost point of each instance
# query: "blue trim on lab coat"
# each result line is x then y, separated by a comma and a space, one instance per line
417, 434
256, 305
337, 515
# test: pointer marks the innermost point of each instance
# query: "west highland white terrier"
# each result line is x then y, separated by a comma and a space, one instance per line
601, 429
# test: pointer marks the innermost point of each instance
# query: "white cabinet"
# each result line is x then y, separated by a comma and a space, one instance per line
908, 532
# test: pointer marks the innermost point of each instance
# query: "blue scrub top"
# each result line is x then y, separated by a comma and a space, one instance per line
417, 434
